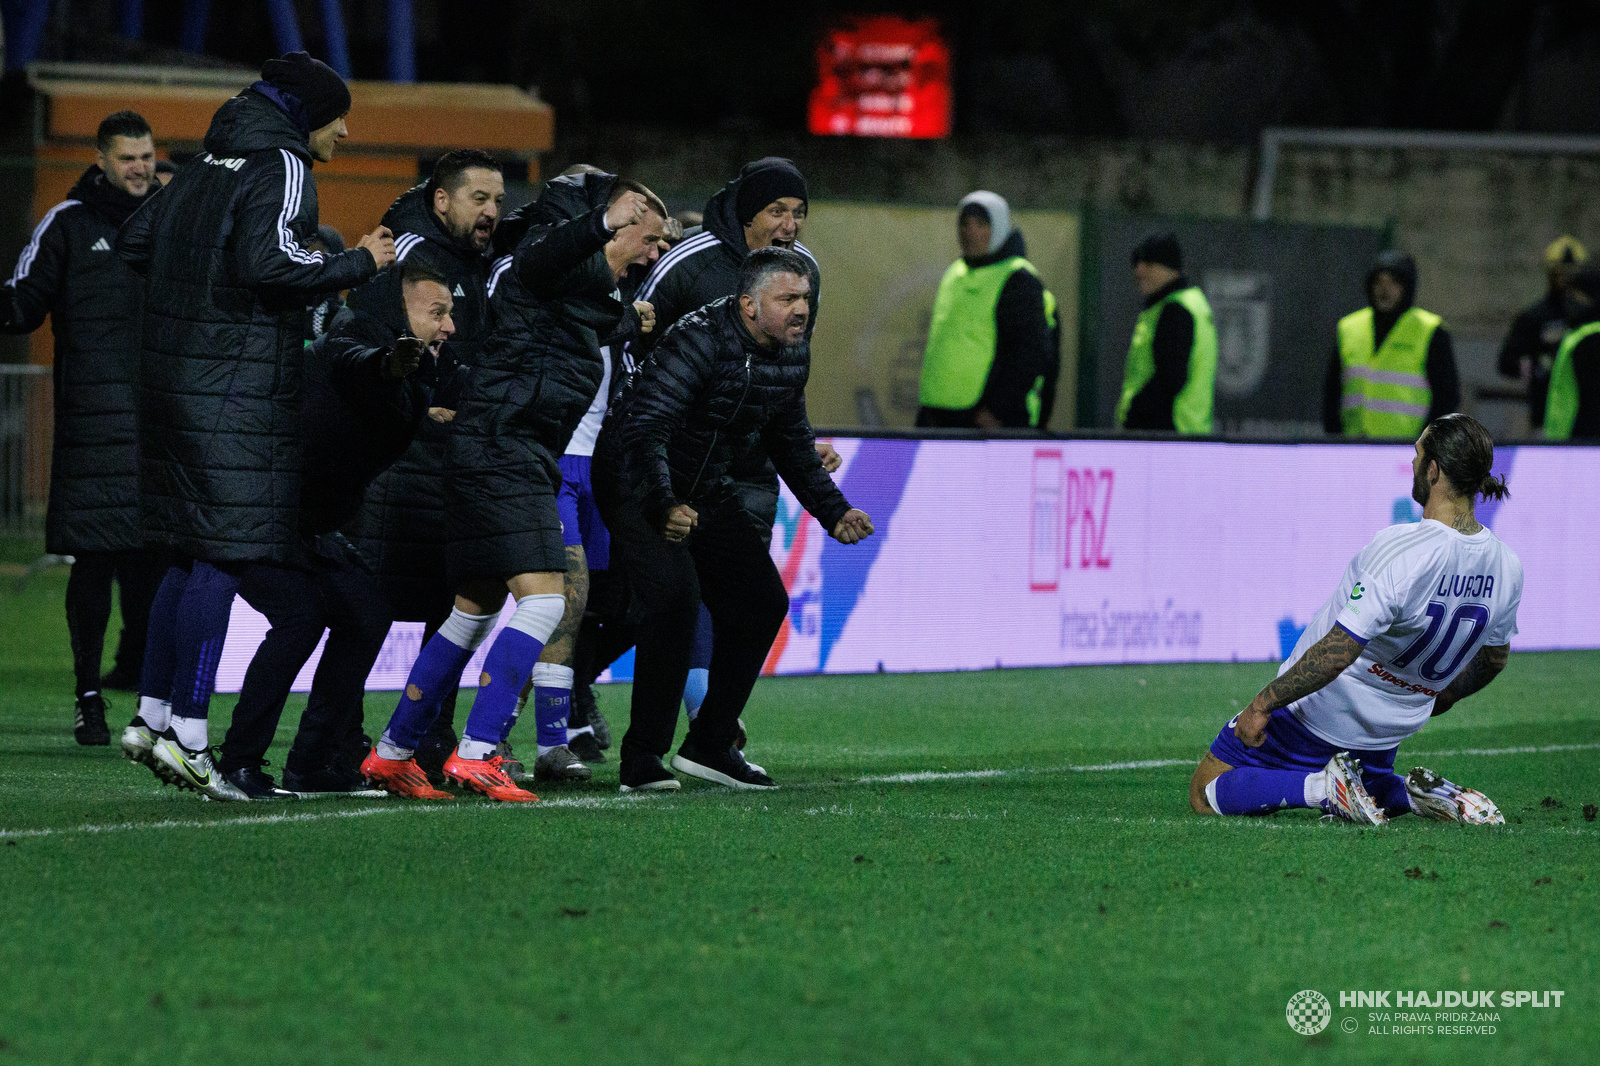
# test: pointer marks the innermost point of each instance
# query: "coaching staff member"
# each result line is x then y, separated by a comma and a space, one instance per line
230, 280
70, 272
725, 378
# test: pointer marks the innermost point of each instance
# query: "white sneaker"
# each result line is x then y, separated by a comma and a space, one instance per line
1433, 797
1347, 796
194, 770
138, 741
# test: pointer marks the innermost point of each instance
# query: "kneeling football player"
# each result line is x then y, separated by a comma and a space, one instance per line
1421, 620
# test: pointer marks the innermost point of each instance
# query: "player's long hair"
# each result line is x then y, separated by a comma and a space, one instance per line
1465, 453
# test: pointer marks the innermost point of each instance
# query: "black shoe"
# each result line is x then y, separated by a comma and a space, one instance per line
584, 705
722, 768
330, 781
255, 783
89, 726
120, 680
644, 773
585, 747
431, 754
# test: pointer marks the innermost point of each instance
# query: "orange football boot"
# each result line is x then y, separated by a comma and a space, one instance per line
486, 776
401, 777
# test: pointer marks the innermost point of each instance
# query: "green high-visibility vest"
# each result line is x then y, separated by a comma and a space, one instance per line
962, 335
1386, 393
1561, 408
1191, 411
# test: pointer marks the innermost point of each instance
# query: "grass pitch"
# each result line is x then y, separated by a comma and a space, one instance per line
959, 868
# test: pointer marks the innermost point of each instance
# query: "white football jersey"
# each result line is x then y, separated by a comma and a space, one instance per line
1422, 598
588, 430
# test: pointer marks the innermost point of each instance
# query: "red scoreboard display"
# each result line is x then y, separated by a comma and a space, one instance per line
882, 76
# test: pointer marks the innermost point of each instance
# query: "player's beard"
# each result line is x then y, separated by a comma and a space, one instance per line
1420, 489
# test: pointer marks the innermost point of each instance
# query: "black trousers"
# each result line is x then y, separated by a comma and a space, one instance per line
138, 574
725, 564
339, 595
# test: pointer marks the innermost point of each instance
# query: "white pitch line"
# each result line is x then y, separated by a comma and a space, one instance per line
615, 802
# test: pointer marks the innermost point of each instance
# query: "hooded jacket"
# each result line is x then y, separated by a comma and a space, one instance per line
230, 281
70, 271
1027, 347
553, 302
401, 529
1440, 369
707, 397
705, 266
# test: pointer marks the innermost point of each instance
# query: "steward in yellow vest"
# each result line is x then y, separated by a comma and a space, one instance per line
1171, 371
1393, 368
1573, 410
993, 353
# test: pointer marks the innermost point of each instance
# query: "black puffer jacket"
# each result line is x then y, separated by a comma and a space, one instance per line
708, 395
553, 304
703, 268
402, 528
230, 279
70, 271
356, 419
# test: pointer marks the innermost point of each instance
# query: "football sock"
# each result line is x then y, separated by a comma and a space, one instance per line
388, 749
437, 669
508, 666
155, 675
552, 702
1316, 787
198, 637
1254, 790
154, 713
694, 690
191, 733
1388, 790
474, 749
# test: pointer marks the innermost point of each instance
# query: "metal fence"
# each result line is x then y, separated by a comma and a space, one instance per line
25, 428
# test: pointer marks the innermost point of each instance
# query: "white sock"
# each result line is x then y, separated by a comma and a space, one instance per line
475, 749
192, 733
1211, 794
467, 630
538, 615
155, 713
1316, 789
575, 732
388, 749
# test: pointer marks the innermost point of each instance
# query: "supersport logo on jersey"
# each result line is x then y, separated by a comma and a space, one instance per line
1400, 681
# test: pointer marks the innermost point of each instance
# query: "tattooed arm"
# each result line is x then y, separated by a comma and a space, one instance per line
1322, 662
1484, 668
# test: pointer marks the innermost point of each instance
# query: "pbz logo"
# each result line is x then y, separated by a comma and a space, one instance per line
1308, 1012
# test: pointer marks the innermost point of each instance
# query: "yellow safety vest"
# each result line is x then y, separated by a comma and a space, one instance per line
1386, 393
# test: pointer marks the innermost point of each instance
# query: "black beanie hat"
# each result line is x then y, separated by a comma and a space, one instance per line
1159, 248
316, 85
766, 180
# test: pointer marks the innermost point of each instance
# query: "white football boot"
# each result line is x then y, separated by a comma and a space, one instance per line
1433, 797
1347, 796
138, 742
194, 770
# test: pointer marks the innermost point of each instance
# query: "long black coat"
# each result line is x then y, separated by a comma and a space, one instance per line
552, 304
707, 396
402, 529
70, 271
230, 281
